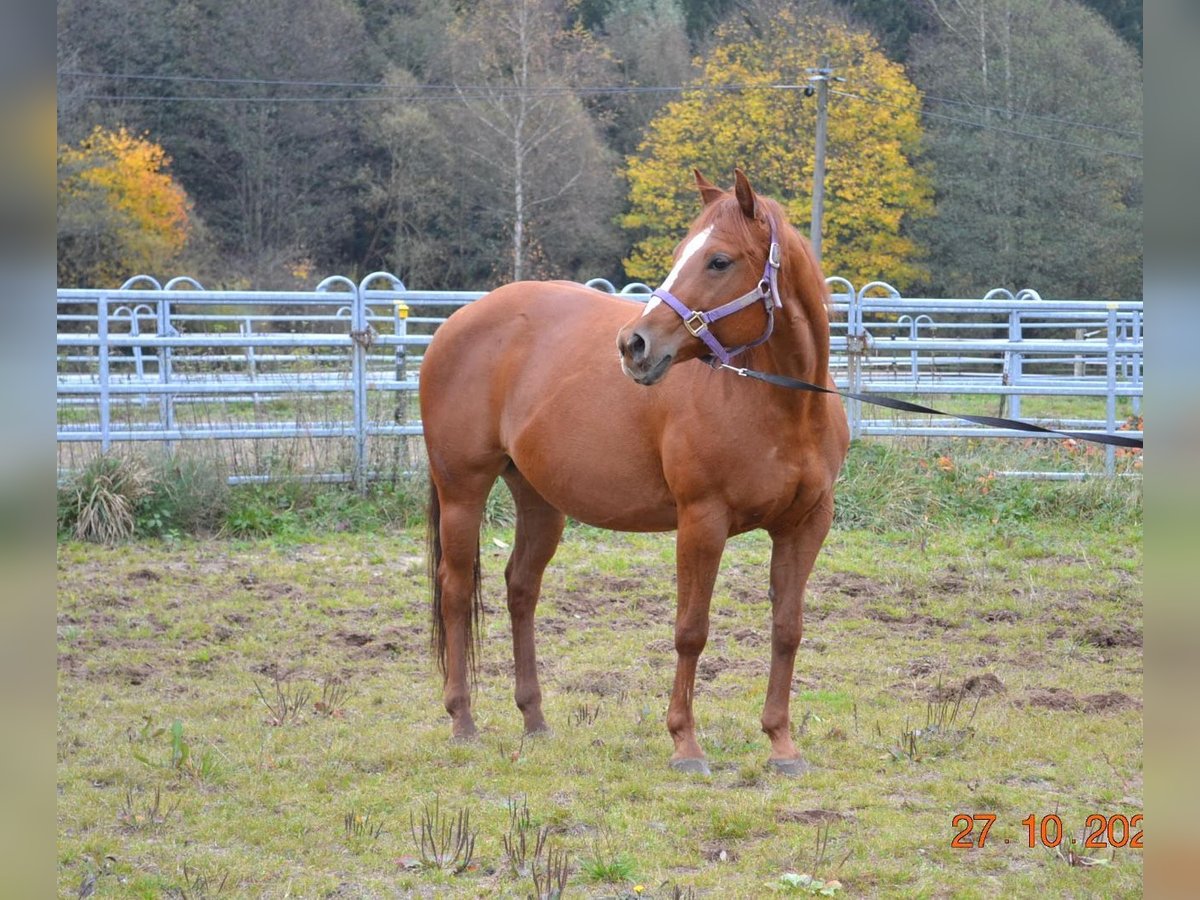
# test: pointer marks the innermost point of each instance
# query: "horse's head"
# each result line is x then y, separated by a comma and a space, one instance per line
720, 295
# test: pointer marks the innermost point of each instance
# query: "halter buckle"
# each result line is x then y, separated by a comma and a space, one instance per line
775, 256
695, 324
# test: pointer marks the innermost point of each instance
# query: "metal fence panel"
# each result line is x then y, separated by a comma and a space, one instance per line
321, 384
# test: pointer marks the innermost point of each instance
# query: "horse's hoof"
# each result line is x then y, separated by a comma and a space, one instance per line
465, 737
542, 731
791, 767
691, 766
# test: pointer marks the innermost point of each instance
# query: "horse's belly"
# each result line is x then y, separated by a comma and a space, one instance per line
596, 477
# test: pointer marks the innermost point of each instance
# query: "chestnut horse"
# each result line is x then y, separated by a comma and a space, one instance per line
525, 385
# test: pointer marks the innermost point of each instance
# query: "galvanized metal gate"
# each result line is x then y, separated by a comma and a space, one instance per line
338, 367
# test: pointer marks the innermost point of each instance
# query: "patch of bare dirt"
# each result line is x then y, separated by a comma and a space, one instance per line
273, 670
710, 667
718, 853
912, 618
811, 816
1057, 699
1000, 615
951, 583
661, 645
580, 604
982, 685
134, 674
602, 684
849, 584
751, 637
1111, 634
1112, 701
496, 668
1062, 700
144, 576
925, 665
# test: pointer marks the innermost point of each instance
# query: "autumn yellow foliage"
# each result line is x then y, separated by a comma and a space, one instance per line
120, 207
871, 185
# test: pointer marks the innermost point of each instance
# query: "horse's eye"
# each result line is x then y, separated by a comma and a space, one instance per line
720, 263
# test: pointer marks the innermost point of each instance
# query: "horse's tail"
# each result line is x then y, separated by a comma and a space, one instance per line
433, 543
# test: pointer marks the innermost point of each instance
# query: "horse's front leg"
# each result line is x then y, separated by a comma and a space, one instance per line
698, 548
793, 554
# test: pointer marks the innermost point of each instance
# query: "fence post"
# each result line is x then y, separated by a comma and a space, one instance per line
854, 364
1010, 404
857, 346
1110, 463
167, 403
360, 337
400, 330
1137, 362
102, 362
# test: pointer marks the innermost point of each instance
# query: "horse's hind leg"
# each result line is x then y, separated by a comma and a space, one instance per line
539, 529
456, 517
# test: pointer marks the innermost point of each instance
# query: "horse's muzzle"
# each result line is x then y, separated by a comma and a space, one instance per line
637, 360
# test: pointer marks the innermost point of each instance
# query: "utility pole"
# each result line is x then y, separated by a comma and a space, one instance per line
820, 76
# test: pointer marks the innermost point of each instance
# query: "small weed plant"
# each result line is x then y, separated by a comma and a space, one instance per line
334, 694
444, 842
551, 874
607, 862
205, 767
148, 816
286, 702
361, 827
200, 885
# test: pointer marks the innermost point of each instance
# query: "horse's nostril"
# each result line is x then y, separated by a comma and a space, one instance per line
637, 347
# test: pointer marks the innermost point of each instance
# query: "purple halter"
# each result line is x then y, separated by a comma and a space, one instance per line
697, 322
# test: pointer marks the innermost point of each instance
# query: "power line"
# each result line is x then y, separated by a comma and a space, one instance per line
437, 91
442, 92
997, 128
392, 89
1028, 115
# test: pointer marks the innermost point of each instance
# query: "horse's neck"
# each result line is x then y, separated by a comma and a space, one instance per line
799, 345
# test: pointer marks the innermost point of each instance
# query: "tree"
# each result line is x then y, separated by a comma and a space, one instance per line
535, 161
425, 227
734, 116
120, 212
1036, 145
648, 42
894, 24
277, 162
1125, 16
249, 97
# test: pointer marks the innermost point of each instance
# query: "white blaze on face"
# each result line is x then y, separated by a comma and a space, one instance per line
691, 249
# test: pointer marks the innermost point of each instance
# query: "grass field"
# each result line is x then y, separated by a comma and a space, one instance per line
261, 717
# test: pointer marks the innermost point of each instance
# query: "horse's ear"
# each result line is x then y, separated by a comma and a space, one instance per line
745, 193
709, 192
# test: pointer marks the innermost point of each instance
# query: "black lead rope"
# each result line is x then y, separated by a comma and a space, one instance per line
1117, 440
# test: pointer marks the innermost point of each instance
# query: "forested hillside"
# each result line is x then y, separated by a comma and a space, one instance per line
265, 143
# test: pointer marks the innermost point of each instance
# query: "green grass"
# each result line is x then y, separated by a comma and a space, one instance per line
1035, 600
